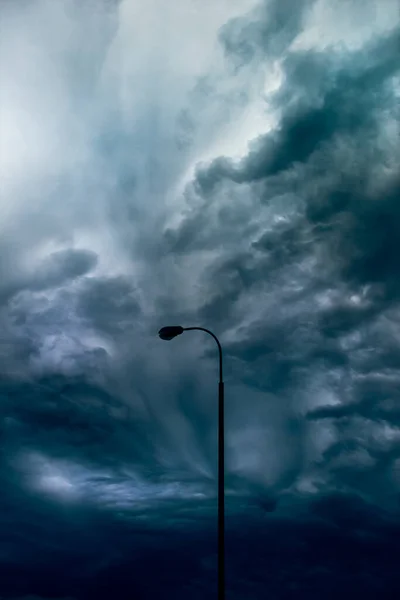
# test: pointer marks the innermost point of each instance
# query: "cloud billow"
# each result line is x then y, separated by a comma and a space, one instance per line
328, 177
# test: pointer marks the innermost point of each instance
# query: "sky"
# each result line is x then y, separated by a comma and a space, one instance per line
229, 164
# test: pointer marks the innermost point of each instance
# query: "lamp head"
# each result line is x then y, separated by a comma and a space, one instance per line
168, 333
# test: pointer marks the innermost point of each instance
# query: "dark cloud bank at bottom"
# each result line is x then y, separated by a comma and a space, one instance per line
334, 545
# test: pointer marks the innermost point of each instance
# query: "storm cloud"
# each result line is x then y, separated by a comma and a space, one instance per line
232, 165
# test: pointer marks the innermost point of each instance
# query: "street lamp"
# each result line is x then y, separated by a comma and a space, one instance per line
168, 333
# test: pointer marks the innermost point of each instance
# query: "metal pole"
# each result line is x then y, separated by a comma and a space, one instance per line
221, 494
221, 471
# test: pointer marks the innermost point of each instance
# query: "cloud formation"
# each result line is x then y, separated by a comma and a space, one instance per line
253, 190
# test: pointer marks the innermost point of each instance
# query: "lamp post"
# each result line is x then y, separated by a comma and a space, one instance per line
168, 333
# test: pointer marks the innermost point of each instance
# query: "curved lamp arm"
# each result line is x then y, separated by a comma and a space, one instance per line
218, 343
168, 333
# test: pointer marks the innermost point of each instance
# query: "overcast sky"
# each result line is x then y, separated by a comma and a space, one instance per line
230, 164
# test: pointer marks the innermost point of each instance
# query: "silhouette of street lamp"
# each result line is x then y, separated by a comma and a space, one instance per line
168, 333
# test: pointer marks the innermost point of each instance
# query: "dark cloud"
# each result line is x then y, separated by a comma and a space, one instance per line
340, 543
64, 417
54, 271
351, 225
63, 266
267, 30
320, 100
110, 305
